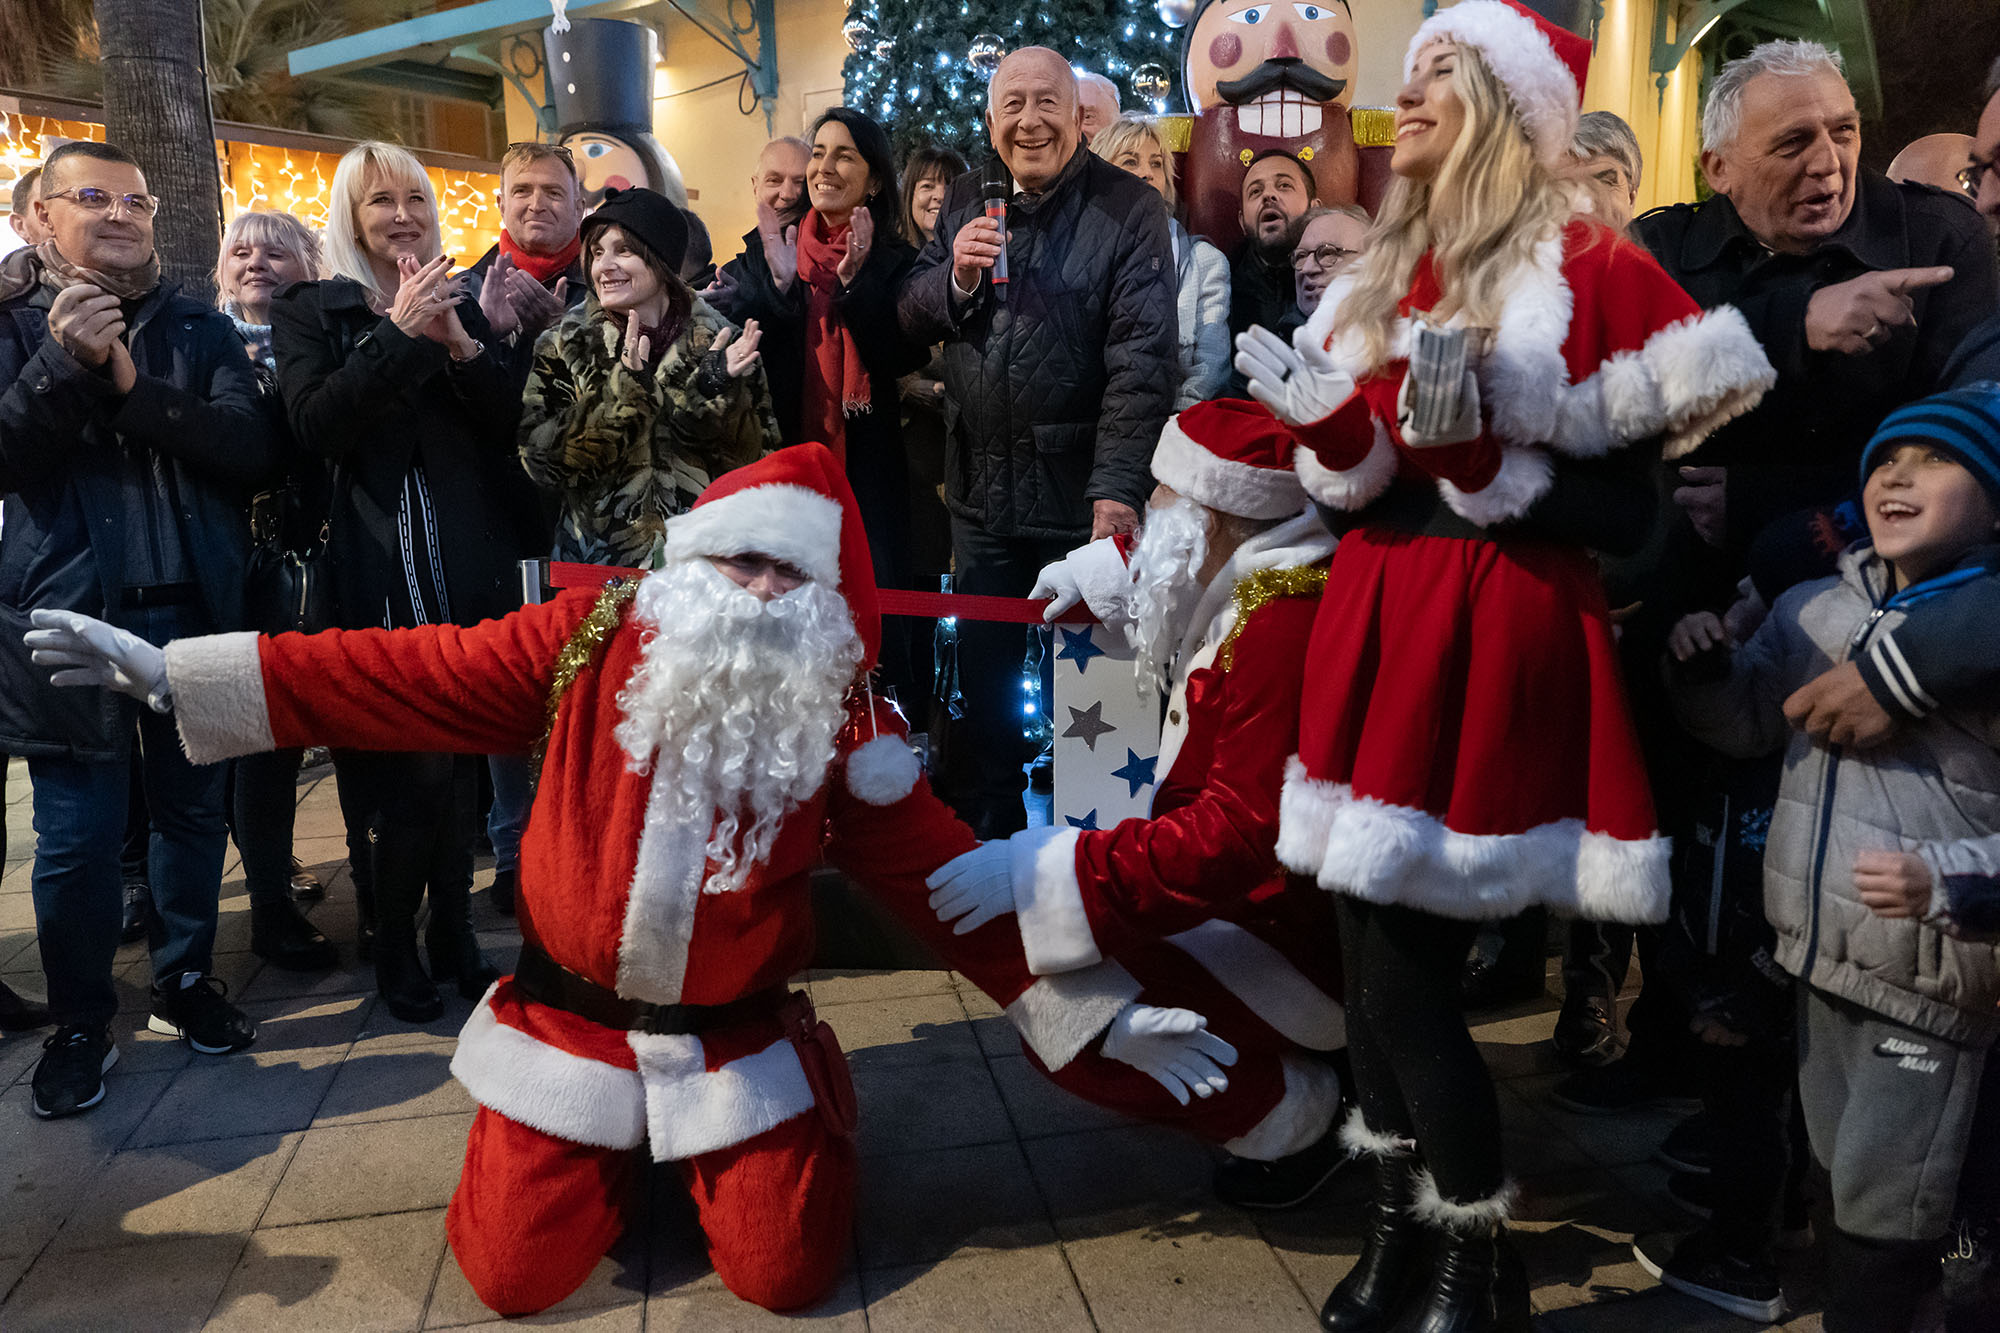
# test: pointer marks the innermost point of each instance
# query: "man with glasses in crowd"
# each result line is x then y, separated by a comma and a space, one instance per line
129, 431
1326, 243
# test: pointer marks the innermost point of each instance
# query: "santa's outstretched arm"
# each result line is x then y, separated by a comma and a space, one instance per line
475, 690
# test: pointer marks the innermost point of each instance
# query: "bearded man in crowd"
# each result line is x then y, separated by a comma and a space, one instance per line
1218, 602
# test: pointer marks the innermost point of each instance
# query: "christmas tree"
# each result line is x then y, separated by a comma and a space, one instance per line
920, 66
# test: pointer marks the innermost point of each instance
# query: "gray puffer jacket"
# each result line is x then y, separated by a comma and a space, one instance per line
1935, 781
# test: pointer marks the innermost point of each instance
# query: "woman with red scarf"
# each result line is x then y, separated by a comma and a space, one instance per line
824, 293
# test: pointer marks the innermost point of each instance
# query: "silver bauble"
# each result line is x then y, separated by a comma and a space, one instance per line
1152, 83
984, 54
860, 37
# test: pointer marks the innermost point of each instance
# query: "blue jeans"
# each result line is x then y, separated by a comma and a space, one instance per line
513, 793
79, 827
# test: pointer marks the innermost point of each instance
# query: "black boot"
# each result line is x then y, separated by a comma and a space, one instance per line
501, 891
282, 937
401, 862
1880, 1286
1477, 1285
361, 869
448, 939
1393, 1243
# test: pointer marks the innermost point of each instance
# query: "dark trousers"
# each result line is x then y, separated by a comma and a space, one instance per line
264, 804
987, 755
1417, 1071
421, 808
80, 814
1979, 1179
1748, 1093
1596, 958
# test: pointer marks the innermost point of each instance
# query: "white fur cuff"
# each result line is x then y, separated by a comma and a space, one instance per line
1525, 476
1048, 901
218, 685
1302, 1116
1358, 1139
1058, 1016
1357, 486
1480, 1215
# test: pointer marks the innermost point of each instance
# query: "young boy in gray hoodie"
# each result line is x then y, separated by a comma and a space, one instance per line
1896, 1012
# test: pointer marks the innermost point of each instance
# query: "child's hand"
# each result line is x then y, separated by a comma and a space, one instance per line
1696, 633
1713, 1033
1893, 884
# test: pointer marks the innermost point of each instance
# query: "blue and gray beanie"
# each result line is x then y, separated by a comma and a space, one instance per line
1964, 422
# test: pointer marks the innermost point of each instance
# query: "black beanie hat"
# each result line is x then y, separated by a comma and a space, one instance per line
647, 216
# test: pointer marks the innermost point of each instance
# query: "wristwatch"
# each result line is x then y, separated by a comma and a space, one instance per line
477, 348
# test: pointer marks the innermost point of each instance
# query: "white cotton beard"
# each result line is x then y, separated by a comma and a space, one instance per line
1172, 546
735, 703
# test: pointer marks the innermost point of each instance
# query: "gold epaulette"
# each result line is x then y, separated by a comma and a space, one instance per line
1262, 586
1374, 126
580, 648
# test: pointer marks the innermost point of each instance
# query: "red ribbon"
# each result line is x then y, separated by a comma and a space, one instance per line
893, 601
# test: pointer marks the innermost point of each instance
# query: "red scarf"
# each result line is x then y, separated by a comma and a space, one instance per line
544, 269
836, 385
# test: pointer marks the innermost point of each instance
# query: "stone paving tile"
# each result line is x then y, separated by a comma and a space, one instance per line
46, 1165
142, 1288
927, 1206
619, 1280
1318, 1242
1039, 1108
942, 1104
716, 1310
1003, 1291
390, 1082
215, 1188
355, 1170
847, 986
1104, 1180
912, 1030
1183, 1276
366, 1273
232, 1096
619, 1319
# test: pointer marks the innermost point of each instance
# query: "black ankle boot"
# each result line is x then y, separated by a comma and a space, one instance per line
1380, 1284
282, 937
362, 872
401, 862
450, 943
1477, 1285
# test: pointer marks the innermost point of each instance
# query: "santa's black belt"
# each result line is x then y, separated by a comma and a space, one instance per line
545, 981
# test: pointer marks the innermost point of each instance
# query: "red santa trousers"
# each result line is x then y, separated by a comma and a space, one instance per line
533, 1213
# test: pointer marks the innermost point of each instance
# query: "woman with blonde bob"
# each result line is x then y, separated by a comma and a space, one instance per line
1137, 145
384, 371
1466, 398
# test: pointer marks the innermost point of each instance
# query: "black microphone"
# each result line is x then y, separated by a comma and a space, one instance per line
996, 186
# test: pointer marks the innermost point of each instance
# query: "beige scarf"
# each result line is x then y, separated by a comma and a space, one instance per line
126, 285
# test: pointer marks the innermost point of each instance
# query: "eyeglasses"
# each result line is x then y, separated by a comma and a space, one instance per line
1323, 256
93, 200
1970, 176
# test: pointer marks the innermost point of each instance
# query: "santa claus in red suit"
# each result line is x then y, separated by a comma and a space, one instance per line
708, 737
1218, 600
1472, 401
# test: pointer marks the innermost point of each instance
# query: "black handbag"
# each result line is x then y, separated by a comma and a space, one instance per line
288, 588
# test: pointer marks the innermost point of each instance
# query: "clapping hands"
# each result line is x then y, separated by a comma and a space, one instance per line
513, 301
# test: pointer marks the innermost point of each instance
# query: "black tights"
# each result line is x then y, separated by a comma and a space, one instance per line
1417, 1071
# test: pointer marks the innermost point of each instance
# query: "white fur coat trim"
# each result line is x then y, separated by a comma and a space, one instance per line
1048, 901
1265, 980
691, 1109
882, 771
1060, 1015
218, 686
1537, 81
1361, 1141
1525, 476
1302, 1116
1395, 854
786, 522
1209, 479
546, 1088
661, 901
1358, 486
1472, 1219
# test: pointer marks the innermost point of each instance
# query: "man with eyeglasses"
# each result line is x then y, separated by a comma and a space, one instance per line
130, 433
1328, 241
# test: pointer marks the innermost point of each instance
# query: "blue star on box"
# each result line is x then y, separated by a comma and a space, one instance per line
1089, 821
1078, 647
1138, 772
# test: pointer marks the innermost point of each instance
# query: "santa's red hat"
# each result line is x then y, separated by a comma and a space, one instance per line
1231, 455
794, 505
1541, 64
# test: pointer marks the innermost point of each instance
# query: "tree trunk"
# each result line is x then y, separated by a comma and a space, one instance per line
156, 108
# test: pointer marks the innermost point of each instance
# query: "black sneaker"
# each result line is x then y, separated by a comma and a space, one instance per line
1621, 1086
1689, 1146
1286, 1182
1586, 1035
1697, 1267
198, 1013
70, 1076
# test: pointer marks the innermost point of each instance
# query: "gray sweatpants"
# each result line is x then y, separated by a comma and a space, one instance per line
1889, 1111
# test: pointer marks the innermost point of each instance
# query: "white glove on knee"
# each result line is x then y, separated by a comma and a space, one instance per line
974, 888
1173, 1047
1297, 380
90, 652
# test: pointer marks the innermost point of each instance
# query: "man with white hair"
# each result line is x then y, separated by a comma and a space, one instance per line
708, 735
1097, 96
1218, 600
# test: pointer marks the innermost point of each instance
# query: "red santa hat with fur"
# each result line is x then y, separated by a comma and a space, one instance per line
1542, 65
1232, 456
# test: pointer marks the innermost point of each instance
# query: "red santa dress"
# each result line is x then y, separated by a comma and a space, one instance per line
1465, 745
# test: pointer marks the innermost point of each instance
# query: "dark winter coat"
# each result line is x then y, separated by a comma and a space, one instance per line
1063, 388
63, 436
375, 400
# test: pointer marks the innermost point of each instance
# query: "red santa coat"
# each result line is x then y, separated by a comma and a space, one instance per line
607, 890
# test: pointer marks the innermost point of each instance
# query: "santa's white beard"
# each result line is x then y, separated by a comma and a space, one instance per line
735, 703
1172, 546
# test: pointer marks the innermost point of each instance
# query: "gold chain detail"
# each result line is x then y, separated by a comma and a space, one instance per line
579, 650
1266, 585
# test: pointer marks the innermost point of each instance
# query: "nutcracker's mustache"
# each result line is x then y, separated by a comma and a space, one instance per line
1279, 73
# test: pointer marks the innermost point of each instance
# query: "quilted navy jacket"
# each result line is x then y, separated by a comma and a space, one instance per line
1064, 387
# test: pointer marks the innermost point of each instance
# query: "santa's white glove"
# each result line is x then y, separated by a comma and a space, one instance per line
1439, 401
90, 652
974, 888
1094, 574
1057, 582
1173, 1047
1297, 380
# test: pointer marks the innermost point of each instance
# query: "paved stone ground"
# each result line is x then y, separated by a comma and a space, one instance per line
301, 1184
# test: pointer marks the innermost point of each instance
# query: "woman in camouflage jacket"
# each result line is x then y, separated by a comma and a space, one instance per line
626, 436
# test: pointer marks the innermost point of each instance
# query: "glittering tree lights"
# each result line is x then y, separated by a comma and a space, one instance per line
920, 68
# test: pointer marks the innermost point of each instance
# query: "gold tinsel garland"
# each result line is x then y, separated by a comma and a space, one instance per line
1265, 585
581, 648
